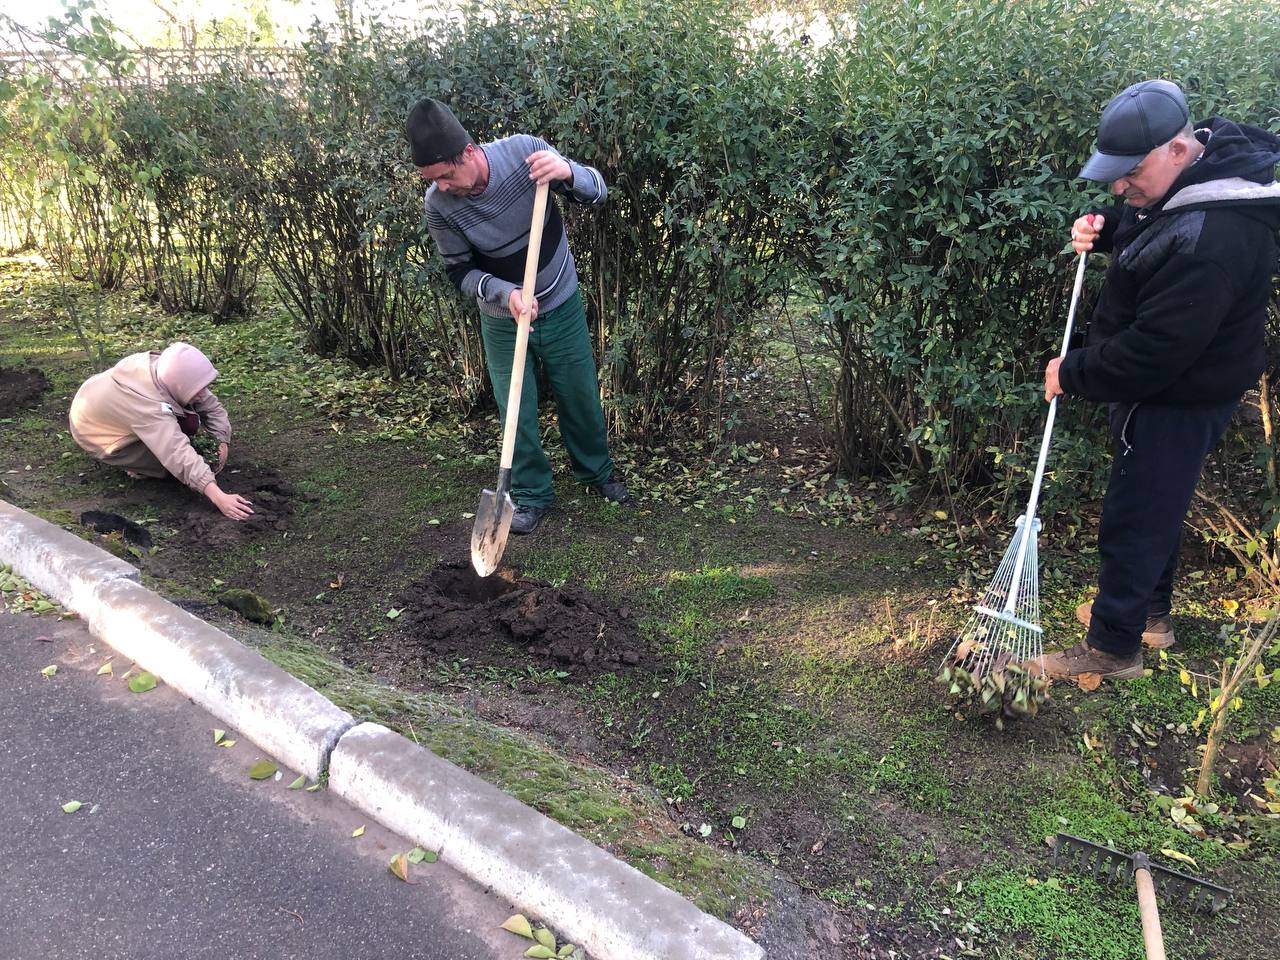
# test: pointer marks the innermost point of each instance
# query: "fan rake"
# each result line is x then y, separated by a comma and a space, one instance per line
997, 656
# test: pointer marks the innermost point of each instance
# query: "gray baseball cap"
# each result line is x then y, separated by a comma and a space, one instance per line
1133, 124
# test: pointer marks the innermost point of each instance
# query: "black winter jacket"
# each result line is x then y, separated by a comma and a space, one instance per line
1181, 317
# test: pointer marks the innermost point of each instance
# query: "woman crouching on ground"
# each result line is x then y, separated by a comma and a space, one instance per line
141, 414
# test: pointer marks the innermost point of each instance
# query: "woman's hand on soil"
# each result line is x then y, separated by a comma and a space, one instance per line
223, 449
232, 505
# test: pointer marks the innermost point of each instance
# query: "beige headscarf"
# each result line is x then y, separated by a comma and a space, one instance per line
184, 371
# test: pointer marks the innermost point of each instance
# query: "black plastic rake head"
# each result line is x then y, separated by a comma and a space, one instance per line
1109, 865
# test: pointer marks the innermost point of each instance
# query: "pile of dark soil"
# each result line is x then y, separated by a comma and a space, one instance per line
501, 620
20, 389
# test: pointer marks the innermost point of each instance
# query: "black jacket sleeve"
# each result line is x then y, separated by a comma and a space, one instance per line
1188, 298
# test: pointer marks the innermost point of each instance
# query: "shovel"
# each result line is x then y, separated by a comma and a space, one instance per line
493, 516
1108, 864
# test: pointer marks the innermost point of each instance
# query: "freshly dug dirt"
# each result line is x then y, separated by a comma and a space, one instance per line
273, 500
20, 389
502, 619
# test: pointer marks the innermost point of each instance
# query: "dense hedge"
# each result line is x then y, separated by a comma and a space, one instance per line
912, 176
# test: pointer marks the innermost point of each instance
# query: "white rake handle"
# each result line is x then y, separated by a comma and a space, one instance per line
1027, 531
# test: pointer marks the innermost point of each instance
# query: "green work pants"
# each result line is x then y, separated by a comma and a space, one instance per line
561, 341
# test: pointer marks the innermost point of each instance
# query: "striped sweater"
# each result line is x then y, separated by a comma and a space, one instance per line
483, 240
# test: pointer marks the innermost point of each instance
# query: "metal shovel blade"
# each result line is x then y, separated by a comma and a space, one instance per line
489, 534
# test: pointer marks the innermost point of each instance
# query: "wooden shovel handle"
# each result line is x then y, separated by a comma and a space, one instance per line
1152, 937
522, 330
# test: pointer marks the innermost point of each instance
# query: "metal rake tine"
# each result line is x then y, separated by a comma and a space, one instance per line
1193, 896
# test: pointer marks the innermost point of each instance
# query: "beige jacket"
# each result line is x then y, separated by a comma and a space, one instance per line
127, 404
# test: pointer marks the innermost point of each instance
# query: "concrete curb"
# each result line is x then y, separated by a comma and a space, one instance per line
56, 562
599, 902
608, 907
274, 709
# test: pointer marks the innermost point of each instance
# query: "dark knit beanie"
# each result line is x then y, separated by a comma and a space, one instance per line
435, 135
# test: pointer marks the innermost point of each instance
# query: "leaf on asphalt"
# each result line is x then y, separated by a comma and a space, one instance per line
540, 952
566, 950
416, 855
218, 736
298, 784
71, 806
430, 856
358, 831
227, 743
1089, 681
262, 770
519, 925
50, 670
313, 788
143, 682
392, 613
546, 938
738, 823
1180, 857
400, 867
105, 669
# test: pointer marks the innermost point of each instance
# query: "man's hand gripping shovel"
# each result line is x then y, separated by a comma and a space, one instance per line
493, 516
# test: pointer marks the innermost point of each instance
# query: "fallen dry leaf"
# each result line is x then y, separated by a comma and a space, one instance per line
1089, 681
400, 867
1180, 857
518, 924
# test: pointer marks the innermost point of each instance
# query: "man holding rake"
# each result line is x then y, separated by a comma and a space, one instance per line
1176, 340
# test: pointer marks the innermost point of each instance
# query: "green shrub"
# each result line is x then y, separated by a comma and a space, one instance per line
199, 148
945, 142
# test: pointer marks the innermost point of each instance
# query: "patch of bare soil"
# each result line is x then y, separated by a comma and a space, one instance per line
1243, 767
21, 389
194, 521
503, 620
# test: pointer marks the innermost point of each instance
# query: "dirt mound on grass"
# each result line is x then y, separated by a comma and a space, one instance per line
20, 389
494, 620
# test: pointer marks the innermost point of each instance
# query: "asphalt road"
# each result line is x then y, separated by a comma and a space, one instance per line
176, 853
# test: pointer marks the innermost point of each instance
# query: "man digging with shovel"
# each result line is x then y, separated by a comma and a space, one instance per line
1176, 340
478, 210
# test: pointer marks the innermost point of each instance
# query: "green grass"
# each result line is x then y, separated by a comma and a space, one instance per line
1058, 919
1086, 805
583, 798
692, 608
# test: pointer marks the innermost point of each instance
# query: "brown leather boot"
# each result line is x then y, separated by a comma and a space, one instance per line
1158, 634
1082, 658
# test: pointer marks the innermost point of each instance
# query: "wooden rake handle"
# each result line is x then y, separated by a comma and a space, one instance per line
1152, 936
522, 330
